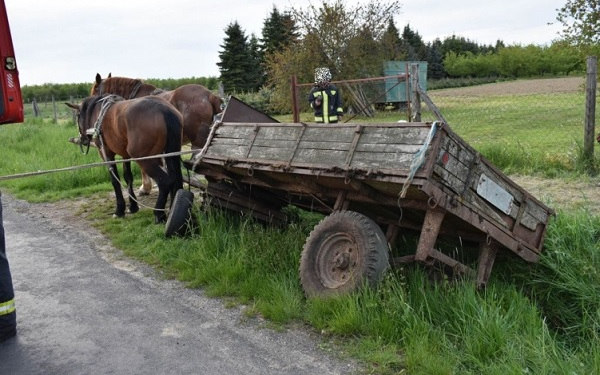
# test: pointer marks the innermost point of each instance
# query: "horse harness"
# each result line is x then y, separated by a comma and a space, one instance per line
96, 132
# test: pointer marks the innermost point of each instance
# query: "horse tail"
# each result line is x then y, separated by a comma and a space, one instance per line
173, 144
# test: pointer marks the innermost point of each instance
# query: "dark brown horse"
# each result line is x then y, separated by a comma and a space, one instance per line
135, 129
197, 104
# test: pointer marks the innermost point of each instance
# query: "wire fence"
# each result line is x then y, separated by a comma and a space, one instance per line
539, 115
541, 119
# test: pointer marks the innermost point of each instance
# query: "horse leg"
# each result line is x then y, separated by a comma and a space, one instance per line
116, 183
146, 187
155, 170
133, 204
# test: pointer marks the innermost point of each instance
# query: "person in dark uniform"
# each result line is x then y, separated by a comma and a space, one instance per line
8, 312
325, 99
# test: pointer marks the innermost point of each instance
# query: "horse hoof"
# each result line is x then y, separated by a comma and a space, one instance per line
133, 210
143, 192
160, 219
115, 216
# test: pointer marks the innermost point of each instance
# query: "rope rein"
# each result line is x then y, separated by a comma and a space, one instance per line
93, 165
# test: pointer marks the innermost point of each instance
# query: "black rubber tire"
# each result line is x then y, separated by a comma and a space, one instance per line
180, 214
343, 251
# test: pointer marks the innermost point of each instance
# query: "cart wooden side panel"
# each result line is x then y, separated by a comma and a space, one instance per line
371, 164
469, 180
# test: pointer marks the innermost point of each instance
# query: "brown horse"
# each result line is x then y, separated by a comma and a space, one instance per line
197, 104
134, 129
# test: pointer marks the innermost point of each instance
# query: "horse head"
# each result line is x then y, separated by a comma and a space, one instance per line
89, 115
97, 85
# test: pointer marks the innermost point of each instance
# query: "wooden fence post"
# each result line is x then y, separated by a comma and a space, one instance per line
416, 97
36, 109
295, 108
590, 109
54, 110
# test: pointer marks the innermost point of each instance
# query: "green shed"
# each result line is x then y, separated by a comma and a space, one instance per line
396, 92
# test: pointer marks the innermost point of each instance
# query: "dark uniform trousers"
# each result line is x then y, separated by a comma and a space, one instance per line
8, 313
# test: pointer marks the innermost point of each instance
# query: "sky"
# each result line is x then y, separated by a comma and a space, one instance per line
69, 41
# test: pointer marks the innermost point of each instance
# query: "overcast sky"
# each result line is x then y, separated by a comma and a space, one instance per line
69, 41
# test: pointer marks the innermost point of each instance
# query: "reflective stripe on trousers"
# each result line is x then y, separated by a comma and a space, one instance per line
7, 307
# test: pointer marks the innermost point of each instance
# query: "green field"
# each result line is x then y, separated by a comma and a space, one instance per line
532, 319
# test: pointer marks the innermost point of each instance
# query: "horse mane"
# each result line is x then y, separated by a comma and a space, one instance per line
122, 86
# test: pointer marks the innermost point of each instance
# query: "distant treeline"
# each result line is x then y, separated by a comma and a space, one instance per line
68, 91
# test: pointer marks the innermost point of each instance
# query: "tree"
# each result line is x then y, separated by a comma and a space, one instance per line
255, 76
435, 60
581, 21
235, 60
329, 29
412, 45
392, 43
279, 31
335, 35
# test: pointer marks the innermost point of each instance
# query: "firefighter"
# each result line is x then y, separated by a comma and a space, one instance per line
325, 98
8, 312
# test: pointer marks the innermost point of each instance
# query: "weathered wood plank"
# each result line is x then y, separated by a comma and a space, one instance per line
230, 141
449, 179
388, 148
458, 151
227, 151
382, 160
395, 135
324, 145
270, 154
400, 167
274, 143
451, 167
234, 131
328, 134
272, 133
333, 158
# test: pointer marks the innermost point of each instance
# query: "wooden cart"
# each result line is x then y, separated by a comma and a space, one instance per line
374, 181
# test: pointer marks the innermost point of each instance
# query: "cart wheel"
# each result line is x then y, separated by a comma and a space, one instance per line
180, 213
342, 252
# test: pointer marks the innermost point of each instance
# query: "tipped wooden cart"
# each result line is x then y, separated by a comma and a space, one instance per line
374, 181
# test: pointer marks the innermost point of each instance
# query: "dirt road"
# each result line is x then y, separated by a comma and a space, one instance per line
85, 309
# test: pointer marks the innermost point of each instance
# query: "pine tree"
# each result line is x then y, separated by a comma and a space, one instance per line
235, 60
255, 77
279, 31
435, 60
391, 42
413, 45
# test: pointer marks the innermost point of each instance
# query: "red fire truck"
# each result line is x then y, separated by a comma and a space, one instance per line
11, 101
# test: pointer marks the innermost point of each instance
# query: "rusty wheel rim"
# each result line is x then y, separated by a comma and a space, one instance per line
337, 260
